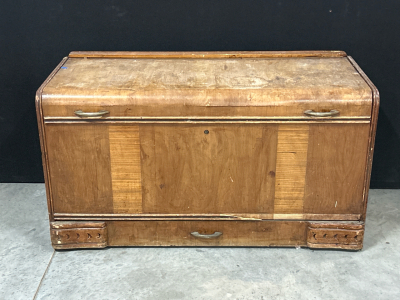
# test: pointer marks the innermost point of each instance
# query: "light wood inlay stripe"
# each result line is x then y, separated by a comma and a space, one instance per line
291, 163
125, 168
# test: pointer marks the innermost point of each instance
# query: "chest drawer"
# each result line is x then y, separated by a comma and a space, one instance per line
207, 233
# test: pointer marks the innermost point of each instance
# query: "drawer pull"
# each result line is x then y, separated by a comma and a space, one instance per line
312, 113
82, 114
206, 236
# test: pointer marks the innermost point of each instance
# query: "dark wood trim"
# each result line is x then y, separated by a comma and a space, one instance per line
42, 136
374, 123
206, 54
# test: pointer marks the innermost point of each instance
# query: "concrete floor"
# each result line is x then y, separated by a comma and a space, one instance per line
30, 269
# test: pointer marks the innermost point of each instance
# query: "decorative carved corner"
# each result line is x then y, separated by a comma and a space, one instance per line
344, 235
74, 235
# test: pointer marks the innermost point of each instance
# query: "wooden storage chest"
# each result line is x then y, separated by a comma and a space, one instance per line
207, 149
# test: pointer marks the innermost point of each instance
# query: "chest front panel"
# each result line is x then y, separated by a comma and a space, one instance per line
209, 168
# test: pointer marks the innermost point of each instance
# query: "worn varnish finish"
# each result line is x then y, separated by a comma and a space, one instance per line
214, 143
264, 87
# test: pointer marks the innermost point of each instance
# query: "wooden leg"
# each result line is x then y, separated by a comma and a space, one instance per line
335, 235
73, 235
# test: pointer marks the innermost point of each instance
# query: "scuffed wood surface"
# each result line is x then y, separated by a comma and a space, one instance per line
201, 87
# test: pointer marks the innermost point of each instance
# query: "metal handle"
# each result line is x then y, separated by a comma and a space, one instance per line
206, 236
82, 114
312, 113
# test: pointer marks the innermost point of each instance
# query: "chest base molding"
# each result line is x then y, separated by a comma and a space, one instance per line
214, 233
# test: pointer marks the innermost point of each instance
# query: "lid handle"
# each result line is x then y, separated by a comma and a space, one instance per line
206, 236
312, 113
82, 114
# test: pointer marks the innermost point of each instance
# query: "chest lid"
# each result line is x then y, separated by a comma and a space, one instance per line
207, 85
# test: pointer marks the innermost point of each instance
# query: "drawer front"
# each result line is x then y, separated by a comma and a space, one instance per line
206, 233
278, 170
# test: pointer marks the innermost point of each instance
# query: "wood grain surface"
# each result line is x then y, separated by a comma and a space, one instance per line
234, 233
287, 171
80, 171
207, 87
336, 163
291, 163
208, 169
125, 168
